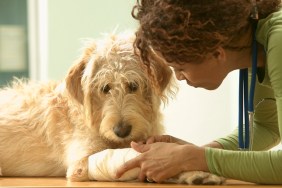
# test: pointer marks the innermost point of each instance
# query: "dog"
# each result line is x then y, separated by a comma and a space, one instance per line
107, 99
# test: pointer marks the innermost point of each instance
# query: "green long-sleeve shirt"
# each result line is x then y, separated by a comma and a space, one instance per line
259, 165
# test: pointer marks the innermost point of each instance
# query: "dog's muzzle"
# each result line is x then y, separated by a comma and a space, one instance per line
122, 130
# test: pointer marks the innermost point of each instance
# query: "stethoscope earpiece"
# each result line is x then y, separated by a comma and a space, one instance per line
254, 13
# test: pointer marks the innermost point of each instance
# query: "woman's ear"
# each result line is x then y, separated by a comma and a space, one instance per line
219, 54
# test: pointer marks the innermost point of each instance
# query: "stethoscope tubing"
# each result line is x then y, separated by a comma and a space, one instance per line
246, 102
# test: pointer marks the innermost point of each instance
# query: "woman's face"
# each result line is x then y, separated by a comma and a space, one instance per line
207, 74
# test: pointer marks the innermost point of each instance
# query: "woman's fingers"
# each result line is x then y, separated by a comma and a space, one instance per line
158, 138
139, 147
135, 162
150, 140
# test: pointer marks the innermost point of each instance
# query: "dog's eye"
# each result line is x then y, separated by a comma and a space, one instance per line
106, 89
132, 87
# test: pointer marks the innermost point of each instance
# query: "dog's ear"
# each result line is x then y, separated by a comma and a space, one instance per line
73, 79
162, 72
163, 77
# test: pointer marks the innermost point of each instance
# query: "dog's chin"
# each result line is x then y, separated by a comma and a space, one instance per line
117, 142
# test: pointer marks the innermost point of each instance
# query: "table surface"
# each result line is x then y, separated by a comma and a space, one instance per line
62, 182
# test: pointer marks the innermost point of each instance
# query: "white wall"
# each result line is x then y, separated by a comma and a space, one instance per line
199, 115
71, 21
196, 115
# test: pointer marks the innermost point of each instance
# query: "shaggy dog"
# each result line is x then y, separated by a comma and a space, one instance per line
106, 100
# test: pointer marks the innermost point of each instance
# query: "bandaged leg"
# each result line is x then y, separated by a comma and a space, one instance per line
102, 166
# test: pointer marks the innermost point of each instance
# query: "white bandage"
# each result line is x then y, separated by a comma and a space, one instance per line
102, 166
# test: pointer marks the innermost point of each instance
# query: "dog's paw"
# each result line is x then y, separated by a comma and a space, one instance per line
78, 171
199, 178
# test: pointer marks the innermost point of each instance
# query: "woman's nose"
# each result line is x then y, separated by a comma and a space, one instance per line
179, 76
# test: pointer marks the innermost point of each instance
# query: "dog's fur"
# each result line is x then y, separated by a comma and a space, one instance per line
106, 100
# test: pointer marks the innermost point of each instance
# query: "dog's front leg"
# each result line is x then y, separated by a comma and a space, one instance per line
197, 178
78, 171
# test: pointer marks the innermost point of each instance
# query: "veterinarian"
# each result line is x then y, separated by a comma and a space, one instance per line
203, 41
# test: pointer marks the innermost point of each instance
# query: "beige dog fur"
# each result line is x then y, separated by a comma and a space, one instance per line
106, 100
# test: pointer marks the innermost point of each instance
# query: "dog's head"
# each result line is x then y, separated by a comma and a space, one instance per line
119, 98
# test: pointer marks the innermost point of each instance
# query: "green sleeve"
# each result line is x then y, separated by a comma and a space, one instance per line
274, 64
258, 166
252, 166
265, 127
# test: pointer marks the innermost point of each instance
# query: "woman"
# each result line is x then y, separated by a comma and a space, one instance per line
203, 41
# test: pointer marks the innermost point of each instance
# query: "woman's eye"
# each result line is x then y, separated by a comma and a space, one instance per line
106, 89
132, 87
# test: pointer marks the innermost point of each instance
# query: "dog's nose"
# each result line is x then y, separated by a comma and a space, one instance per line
122, 130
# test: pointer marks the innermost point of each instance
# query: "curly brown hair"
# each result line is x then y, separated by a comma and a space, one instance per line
186, 30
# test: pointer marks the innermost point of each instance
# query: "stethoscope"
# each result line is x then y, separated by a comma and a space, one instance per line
246, 102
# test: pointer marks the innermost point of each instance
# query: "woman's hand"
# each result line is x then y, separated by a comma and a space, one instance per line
160, 161
165, 138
